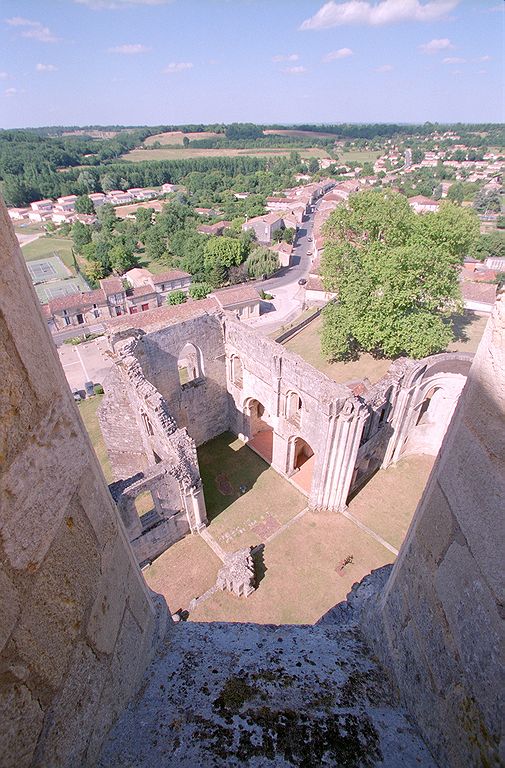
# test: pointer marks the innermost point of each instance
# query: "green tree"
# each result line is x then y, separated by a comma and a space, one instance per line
262, 261
94, 272
313, 165
487, 246
84, 204
120, 259
200, 290
185, 142
224, 252
81, 235
395, 275
487, 202
155, 243
176, 297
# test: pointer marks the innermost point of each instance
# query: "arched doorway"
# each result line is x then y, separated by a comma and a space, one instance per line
259, 429
302, 460
190, 364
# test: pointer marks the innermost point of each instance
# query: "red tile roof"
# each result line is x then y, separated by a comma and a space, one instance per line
155, 319
482, 292
112, 285
239, 294
167, 277
77, 300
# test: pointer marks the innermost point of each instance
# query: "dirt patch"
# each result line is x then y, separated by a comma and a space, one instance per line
265, 529
223, 485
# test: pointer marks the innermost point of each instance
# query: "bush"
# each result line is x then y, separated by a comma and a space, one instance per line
200, 290
98, 389
176, 297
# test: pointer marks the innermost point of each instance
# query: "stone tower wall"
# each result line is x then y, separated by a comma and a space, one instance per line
78, 625
439, 623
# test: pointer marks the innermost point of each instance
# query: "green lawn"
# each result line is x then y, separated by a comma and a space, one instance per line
87, 409
50, 246
226, 464
358, 156
307, 344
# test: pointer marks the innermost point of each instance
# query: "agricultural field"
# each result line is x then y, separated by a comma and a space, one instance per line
176, 137
141, 155
357, 156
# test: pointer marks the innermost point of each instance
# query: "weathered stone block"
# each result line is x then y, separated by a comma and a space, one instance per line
10, 607
21, 722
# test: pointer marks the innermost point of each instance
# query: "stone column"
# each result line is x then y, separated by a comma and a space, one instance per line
330, 486
195, 506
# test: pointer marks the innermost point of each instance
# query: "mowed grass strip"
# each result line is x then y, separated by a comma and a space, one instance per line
469, 328
87, 409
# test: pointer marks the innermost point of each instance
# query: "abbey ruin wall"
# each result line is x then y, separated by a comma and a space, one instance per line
78, 625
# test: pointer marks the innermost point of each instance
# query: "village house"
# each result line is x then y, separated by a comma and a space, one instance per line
214, 229
76, 309
18, 214
264, 226
167, 188
117, 197
422, 204
140, 193
283, 251
97, 198
66, 203
242, 300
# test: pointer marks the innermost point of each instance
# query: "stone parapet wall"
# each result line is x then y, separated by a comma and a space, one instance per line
438, 625
78, 625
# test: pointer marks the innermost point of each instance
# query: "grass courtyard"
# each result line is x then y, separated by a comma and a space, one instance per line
469, 329
239, 519
87, 409
298, 568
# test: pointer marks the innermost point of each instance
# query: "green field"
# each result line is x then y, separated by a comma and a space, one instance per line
87, 409
141, 155
358, 156
50, 246
469, 329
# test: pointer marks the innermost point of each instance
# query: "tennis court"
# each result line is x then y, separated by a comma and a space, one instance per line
51, 279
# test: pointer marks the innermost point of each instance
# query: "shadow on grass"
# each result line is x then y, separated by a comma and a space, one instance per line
460, 324
229, 470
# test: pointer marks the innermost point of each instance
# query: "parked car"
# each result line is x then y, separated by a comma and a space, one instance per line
77, 395
88, 386
302, 281
309, 239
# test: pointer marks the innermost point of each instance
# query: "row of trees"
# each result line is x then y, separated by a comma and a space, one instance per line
395, 275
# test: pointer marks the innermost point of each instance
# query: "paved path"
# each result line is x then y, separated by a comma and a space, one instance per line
210, 540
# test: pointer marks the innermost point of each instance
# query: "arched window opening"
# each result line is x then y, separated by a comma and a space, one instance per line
423, 415
302, 453
237, 371
294, 408
190, 365
147, 423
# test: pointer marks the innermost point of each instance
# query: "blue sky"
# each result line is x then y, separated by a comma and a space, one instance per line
137, 62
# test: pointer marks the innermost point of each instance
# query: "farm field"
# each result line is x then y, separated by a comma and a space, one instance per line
176, 137
358, 156
141, 155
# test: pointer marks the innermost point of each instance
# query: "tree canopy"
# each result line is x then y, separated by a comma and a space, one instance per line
395, 274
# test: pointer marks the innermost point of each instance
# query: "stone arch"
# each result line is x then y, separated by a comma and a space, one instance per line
431, 412
190, 364
294, 408
236, 371
258, 428
301, 460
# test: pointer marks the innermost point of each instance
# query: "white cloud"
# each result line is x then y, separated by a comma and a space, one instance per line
453, 60
384, 68
11, 91
32, 29
335, 14
288, 57
342, 53
130, 49
294, 70
177, 66
484, 58
46, 68
114, 5
441, 44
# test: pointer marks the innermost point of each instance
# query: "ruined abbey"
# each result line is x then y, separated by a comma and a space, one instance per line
407, 672
183, 377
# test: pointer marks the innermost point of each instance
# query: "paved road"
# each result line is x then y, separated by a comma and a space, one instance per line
288, 295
